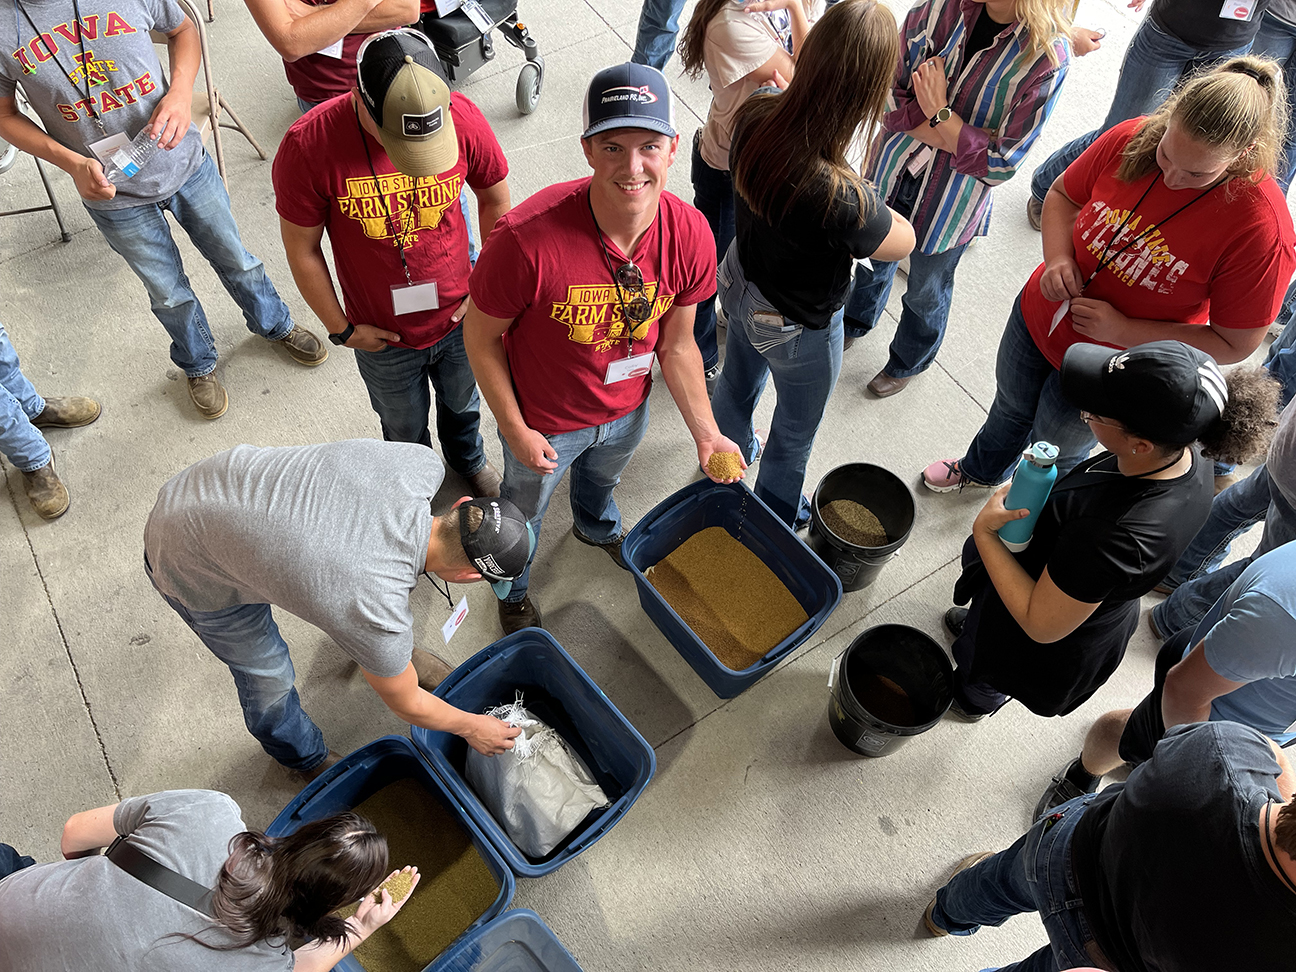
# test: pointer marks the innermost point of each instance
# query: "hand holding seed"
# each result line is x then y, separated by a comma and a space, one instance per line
722, 460
380, 906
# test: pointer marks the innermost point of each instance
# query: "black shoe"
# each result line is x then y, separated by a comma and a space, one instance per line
612, 547
962, 714
1061, 790
955, 620
519, 615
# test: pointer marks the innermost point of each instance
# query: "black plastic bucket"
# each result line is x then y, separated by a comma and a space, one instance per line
890, 684
891, 501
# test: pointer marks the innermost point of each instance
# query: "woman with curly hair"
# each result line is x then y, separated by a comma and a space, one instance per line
87, 912
1167, 227
1048, 626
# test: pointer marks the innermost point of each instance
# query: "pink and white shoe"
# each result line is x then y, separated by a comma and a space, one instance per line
945, 476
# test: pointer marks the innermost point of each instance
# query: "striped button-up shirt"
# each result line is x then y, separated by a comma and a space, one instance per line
1004, 97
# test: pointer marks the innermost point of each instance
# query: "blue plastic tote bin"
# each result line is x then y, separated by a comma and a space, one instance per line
362, 774
557, 691
706, 504
516, 941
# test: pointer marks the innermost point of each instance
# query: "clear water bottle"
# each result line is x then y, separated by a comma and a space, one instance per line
126, 161
1031, 484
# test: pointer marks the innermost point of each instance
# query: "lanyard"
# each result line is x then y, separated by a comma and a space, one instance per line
1104, 261
391, 220
1269, 842
85, 67
607, 259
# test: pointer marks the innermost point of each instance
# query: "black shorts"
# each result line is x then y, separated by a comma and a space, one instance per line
1145, 727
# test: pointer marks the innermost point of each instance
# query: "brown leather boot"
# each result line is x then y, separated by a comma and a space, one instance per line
485, 481
432, 671
67, 413
209, 396
304, 346
515, 617
315, 772
48, 496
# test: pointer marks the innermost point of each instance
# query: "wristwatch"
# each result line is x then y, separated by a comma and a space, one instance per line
941, 116
341, 337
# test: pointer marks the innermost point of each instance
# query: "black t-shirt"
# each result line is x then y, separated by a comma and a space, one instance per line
984, 31
1106, 539
1199, 24
1170, 865
803, 265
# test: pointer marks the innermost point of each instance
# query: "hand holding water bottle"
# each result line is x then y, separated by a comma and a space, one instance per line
91, 181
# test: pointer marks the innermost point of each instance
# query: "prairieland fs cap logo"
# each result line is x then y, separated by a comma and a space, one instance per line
404, 88
629, 96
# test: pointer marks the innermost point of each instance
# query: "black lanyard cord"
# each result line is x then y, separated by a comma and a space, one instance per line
607, 259
85, 66
391, 220
1104, 261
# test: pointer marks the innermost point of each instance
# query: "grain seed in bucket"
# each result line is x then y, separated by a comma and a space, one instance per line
854, 522
727, 595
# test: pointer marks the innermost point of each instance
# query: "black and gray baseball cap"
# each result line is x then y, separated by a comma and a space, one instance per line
502, 544
1168, 391
405, 90
629, 96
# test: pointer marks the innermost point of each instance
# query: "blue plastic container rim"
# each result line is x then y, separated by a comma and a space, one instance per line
521, 926
513, 857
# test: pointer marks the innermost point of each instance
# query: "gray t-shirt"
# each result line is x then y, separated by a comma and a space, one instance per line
126, 81
1281, 462
89, 914
336, 534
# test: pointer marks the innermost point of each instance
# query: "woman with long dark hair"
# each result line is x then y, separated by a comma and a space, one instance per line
741, 47
88, 913
802, 217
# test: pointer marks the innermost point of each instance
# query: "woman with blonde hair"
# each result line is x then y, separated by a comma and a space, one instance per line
974, 85
802, 215
1167, 227
740, 47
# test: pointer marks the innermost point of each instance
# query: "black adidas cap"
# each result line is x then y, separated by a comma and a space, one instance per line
501, 546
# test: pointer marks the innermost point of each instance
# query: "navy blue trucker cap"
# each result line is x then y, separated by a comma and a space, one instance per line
501, 545
629, 96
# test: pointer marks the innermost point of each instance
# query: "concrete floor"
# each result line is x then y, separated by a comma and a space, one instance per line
762, 843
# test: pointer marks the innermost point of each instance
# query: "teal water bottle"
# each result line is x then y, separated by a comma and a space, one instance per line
1031, 484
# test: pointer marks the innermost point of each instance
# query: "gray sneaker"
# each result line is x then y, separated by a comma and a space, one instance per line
208, 395
304, 346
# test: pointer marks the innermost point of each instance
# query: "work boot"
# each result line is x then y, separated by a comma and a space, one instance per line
1034, 213
970, 861
956, 620
1063, 787
515, 617
314, 773
485, 482
67, 413
208, 396
612, 548
432, 671
304, 346
884, 385
48, 496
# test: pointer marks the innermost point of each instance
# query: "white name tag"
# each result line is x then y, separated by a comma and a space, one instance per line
918, 161
333, 50
1237, 10
478, 15
457, 618
104, 148
635, 366
1059, 314
412, 298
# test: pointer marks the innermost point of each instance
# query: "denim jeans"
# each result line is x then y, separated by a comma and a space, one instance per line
713, 197
246, 638
1028, 406
926, 300
658, 26
1034, 874
143, 238
20, 441
1232, 511
596, 456
398, 378
1154, 62
1277, 39
11, 860
804, 363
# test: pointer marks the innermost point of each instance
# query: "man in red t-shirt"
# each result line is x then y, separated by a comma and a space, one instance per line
574, 294
381, 170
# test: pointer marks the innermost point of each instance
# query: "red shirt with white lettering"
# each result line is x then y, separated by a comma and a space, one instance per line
1226, 259
544, 269
321, 175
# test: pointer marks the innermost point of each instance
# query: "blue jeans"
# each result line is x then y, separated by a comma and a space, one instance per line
658, 25
1028, 407
20, 441
397, 379
1154, 62
1281, 360
596, 456
1232, 511
926, 300
1277, 39
805, 364
143, 238
246, 638
11, 860
713, 197
1034, 874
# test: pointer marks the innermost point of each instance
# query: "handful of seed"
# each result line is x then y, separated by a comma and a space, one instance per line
725, 465
399, 885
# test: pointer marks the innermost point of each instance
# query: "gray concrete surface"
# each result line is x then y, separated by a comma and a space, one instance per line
762, 843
